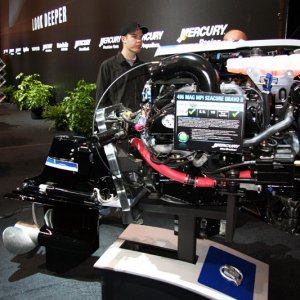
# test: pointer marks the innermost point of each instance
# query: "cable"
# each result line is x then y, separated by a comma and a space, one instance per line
103, 162
226, 168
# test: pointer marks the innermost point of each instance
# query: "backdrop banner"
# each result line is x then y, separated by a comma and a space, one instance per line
65, 41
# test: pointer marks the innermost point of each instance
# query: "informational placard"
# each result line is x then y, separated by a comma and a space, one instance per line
209, 122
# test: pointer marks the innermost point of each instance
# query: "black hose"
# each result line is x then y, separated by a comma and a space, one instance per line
233, 166
285, 123
187, 65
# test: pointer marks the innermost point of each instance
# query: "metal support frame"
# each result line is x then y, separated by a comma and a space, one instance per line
187, 222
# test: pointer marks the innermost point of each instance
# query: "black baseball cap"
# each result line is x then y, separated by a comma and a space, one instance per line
132, 27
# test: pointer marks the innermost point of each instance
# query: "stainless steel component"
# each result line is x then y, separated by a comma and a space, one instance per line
232, 274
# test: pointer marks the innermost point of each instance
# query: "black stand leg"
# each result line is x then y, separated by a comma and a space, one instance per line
187, 238
187, 223
230, 217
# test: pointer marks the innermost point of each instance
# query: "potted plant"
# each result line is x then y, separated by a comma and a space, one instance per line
76, 110
6, 93
57, 114
32, 94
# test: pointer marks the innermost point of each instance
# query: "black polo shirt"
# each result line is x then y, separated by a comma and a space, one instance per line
127, 89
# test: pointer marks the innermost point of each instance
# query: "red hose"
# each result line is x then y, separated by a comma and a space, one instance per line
169, 172
245, 174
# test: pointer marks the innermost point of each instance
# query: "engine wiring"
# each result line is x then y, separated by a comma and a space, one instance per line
232, 166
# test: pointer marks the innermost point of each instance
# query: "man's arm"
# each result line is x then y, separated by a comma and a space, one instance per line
102, 83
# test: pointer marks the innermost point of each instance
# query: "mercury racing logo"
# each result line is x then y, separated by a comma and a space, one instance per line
150, 40
226, 147
106, 42
201, 32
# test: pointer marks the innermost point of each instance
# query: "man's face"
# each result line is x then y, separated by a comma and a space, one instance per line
133, 41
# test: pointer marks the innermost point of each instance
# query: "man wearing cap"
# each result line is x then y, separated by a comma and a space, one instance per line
128, 89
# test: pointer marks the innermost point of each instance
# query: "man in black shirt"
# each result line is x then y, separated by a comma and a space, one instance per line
128, 89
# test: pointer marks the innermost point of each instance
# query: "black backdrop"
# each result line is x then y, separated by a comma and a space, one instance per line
70, 50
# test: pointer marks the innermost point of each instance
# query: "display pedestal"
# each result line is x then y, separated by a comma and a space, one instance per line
142, 264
